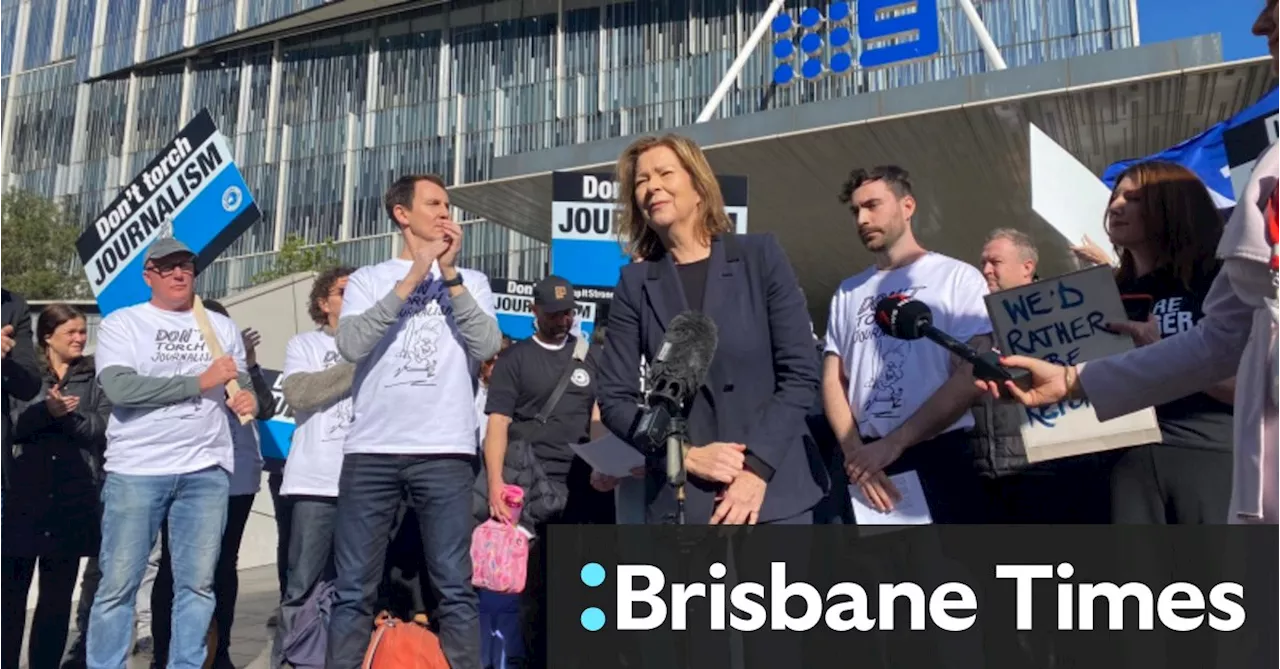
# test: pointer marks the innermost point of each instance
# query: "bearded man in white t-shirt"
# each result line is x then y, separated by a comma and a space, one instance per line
898, 405
169, 455
417, 327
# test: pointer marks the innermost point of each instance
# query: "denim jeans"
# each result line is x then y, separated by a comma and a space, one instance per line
440, 490
226, 588
310, 561
134, 506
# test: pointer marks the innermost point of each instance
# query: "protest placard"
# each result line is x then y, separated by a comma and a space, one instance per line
1062, 320
191, 190
276, 434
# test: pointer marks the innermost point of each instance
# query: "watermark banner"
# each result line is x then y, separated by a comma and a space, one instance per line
905, 597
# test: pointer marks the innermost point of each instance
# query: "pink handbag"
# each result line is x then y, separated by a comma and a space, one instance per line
500, 552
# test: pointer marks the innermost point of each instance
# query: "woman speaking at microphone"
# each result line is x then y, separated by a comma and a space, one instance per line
1237, 337
750, 459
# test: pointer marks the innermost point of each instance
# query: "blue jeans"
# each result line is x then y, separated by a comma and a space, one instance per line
133, 508
440, 490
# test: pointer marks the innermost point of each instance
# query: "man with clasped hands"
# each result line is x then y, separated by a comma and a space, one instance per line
416, 327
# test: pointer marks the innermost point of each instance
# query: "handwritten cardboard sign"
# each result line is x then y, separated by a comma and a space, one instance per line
1062, 320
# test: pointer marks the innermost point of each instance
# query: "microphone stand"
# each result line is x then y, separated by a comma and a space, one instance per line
675, 463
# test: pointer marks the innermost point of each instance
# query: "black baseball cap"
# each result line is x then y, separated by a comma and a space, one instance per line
554, 294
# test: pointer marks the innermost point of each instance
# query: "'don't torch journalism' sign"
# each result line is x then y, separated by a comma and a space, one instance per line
585, 249
513, 304
191, 190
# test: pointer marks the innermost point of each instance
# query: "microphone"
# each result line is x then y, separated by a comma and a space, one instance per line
903, 318
674, 377
673, 380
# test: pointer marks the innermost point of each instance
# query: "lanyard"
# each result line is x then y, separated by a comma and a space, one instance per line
1272, 216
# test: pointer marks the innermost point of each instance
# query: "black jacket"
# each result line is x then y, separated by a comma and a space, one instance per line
761, 385
21, 371
51, 507
543, 497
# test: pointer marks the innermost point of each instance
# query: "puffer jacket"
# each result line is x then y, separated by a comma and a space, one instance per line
996, 438
543, 497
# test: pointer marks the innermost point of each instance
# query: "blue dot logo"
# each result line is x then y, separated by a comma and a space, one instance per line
592, 619
783, 74
592, 574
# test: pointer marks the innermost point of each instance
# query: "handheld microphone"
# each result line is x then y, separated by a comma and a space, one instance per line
904, 318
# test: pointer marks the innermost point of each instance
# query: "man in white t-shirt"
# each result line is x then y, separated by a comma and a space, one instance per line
317, 386
898, 405
169, 455
417, 327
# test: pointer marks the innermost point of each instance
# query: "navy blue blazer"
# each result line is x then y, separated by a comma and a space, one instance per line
761, 384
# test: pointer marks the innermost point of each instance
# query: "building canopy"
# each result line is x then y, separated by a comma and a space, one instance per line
964, 141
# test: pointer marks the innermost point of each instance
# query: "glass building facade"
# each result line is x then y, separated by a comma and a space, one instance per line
322, 119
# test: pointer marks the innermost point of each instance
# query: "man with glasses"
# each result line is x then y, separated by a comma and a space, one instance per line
169, 455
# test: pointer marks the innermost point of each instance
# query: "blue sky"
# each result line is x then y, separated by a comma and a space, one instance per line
1160, 20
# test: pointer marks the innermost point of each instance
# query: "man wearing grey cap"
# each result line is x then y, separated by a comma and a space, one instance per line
168, 457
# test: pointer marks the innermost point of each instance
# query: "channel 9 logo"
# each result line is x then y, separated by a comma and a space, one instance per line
814, 43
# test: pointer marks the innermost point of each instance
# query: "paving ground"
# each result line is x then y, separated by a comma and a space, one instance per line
250, 636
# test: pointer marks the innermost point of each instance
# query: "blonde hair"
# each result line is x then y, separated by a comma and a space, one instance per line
640, 240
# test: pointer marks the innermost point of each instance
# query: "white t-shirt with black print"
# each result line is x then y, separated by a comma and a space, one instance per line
414, 392
315, 453
889, 379
178, 438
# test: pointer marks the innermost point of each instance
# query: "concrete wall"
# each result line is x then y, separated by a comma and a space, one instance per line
277, 310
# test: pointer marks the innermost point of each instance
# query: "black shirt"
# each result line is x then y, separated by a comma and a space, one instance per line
523, 379
1196, 421
693, 277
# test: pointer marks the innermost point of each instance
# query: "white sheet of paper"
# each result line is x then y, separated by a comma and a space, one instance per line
913, 509
610, 456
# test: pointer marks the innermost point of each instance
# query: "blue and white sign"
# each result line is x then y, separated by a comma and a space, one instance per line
891, 32
1222, 156
585, 249
513, 302
276, 434
192, 190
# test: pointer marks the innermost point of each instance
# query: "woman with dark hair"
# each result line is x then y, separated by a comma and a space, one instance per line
1166, 228
51, 517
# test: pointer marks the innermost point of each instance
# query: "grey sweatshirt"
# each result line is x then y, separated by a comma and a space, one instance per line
125, 387
309, 391
358, 335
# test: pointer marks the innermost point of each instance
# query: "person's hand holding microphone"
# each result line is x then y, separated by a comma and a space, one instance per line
1050, 383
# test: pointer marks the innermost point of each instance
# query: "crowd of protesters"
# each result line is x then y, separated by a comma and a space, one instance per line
415, 413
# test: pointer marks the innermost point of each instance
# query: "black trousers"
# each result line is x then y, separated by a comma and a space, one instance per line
1158, 484
75, 655
1073, 491
945, 467
284, 519
226, 586
53, 608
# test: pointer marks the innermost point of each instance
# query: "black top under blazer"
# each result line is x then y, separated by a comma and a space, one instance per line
761, 384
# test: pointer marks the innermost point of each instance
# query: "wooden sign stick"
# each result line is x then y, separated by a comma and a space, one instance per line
215, 347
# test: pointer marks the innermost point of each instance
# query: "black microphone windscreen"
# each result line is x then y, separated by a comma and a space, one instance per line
687, 351
902, 318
